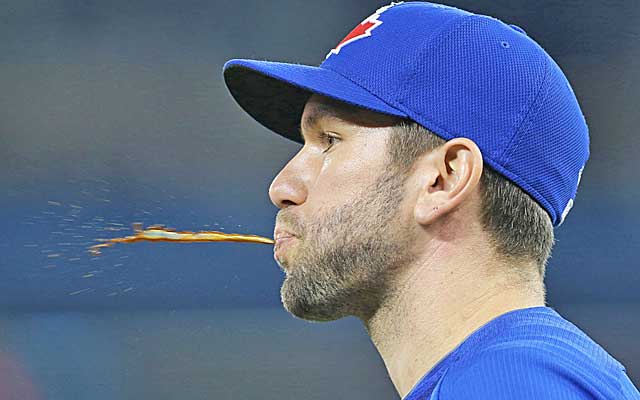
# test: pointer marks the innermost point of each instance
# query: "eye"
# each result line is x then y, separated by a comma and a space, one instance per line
328, 140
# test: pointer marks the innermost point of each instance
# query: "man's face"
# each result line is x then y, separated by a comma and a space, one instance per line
341, 200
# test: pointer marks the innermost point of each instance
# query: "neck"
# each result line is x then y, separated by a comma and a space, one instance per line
435, 307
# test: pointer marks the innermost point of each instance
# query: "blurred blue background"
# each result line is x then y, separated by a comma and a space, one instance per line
116, 112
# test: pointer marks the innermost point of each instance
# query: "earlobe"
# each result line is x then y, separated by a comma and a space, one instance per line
455, 171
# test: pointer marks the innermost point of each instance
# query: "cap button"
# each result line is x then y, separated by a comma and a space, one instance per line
517, 28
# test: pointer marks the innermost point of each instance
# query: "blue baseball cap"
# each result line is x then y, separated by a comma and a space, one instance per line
456, 73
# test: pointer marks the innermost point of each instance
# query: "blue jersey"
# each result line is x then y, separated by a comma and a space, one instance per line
527, 354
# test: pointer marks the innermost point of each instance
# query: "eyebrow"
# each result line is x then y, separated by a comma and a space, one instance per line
312, 118
343, 112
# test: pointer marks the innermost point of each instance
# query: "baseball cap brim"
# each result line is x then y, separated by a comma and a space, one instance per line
274, 93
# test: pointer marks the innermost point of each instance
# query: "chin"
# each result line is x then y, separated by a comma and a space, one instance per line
299, 305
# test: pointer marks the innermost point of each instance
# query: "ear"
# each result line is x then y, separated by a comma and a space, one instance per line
452, 174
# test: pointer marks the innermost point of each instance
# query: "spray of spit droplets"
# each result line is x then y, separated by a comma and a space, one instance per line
73, 228
158, 233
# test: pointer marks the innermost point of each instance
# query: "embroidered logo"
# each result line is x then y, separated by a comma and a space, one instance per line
570, 203
363, 30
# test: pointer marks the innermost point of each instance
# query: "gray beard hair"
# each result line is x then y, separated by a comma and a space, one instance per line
344, 261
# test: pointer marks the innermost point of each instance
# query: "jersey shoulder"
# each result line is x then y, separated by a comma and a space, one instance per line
557, 362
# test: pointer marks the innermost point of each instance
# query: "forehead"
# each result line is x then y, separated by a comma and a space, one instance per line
319, 108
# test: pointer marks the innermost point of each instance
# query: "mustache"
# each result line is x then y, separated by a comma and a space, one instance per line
290, 222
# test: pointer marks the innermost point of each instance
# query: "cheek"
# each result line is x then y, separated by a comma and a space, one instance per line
345, 173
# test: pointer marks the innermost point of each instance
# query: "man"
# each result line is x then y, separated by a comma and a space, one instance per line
440, 149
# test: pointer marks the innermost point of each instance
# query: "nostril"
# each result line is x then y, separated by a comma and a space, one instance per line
287, 203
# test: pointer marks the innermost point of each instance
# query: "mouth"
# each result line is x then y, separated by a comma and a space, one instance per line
282, 245
283, 241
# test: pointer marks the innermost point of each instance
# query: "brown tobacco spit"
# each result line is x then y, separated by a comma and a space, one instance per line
157, 233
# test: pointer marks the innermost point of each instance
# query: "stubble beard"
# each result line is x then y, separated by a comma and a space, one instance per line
343, 263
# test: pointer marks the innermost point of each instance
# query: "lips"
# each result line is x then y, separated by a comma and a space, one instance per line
283, 240
281, 234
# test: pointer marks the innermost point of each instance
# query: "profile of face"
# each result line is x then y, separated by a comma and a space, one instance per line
342, 202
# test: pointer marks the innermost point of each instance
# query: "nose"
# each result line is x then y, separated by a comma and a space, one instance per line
290, 186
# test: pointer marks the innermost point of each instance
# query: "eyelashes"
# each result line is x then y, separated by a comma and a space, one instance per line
328, 140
